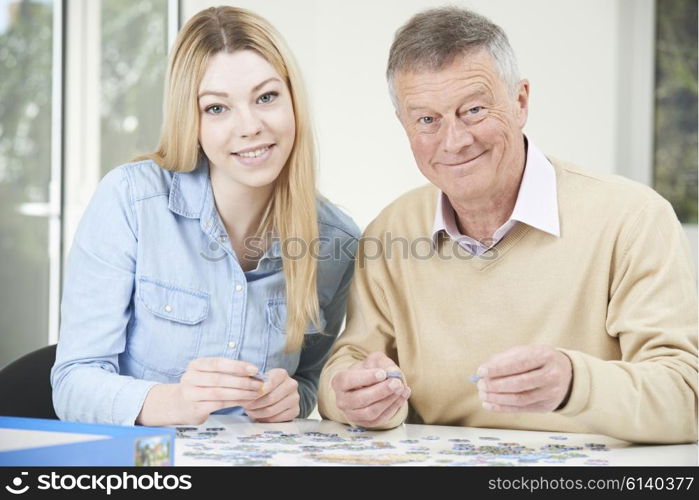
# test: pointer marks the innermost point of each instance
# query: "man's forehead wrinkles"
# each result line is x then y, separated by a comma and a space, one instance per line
438, 81
461, 87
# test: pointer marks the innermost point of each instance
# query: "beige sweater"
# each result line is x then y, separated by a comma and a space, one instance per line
615, 292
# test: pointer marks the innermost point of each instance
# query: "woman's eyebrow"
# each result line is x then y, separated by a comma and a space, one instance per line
225, 94
262, 84
212, 92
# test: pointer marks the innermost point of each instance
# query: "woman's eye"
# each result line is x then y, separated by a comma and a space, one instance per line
268, 97
214, 109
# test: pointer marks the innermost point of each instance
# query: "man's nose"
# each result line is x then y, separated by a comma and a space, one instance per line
457, 135
248, 123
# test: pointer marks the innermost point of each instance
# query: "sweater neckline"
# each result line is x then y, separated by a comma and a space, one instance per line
492, 255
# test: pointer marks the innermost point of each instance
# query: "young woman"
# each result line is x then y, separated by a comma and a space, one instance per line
208, 276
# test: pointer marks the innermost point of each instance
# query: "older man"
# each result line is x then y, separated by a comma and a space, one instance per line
554, 298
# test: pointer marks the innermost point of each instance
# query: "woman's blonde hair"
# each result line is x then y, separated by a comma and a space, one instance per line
292, 211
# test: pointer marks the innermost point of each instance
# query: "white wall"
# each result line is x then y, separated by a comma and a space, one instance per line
566, 48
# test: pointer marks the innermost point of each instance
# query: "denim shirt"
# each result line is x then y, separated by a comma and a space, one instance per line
152, 283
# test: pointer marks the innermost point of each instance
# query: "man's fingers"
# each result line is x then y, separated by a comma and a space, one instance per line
519, 359
368, 415
368, 396
520, 382
353, 379
518, 399
393, 409
380, 412
533, 408
364, 392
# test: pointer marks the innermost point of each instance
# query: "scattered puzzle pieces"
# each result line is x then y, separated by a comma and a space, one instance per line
360, 446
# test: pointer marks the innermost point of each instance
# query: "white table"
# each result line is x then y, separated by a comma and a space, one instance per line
225, 440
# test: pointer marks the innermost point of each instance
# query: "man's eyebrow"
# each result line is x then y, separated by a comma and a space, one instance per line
416, 107
480, 92
225, 94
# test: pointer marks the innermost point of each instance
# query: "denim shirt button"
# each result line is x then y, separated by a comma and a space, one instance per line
168, 308
232, 345
238, 288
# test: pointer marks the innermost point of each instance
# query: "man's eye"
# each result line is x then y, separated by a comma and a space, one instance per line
476, 110
268, 97
214, 109
426, 120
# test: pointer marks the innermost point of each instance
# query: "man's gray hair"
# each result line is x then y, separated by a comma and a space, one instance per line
432, 39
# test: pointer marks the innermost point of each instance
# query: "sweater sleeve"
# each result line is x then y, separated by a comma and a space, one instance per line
650, 395
369, 329
314, 355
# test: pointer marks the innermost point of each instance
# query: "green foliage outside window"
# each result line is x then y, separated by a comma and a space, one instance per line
25, 169
675, 172
134, 61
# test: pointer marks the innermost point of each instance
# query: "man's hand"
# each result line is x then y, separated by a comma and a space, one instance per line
365, 395
278, 400
528, 378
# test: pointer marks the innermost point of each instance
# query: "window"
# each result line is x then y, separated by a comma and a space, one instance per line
675, 154
27, 37
133, 65
113, 61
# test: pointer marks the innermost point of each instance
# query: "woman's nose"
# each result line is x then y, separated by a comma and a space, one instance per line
248, 124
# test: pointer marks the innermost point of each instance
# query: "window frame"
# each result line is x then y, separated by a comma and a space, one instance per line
76, 169
636, 99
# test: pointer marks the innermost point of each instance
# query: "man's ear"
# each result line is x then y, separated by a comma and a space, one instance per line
522, 103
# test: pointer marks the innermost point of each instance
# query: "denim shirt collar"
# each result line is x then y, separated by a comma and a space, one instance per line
192, 196
190, 191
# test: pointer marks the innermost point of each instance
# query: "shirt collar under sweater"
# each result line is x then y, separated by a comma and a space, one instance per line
536, 206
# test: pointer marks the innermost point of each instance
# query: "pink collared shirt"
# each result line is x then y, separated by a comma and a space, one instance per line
536, 206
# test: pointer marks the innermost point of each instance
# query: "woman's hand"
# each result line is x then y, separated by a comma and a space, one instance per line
279, 401
208, 385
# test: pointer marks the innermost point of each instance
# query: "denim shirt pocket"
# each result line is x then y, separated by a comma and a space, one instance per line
171, 317
276, 337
